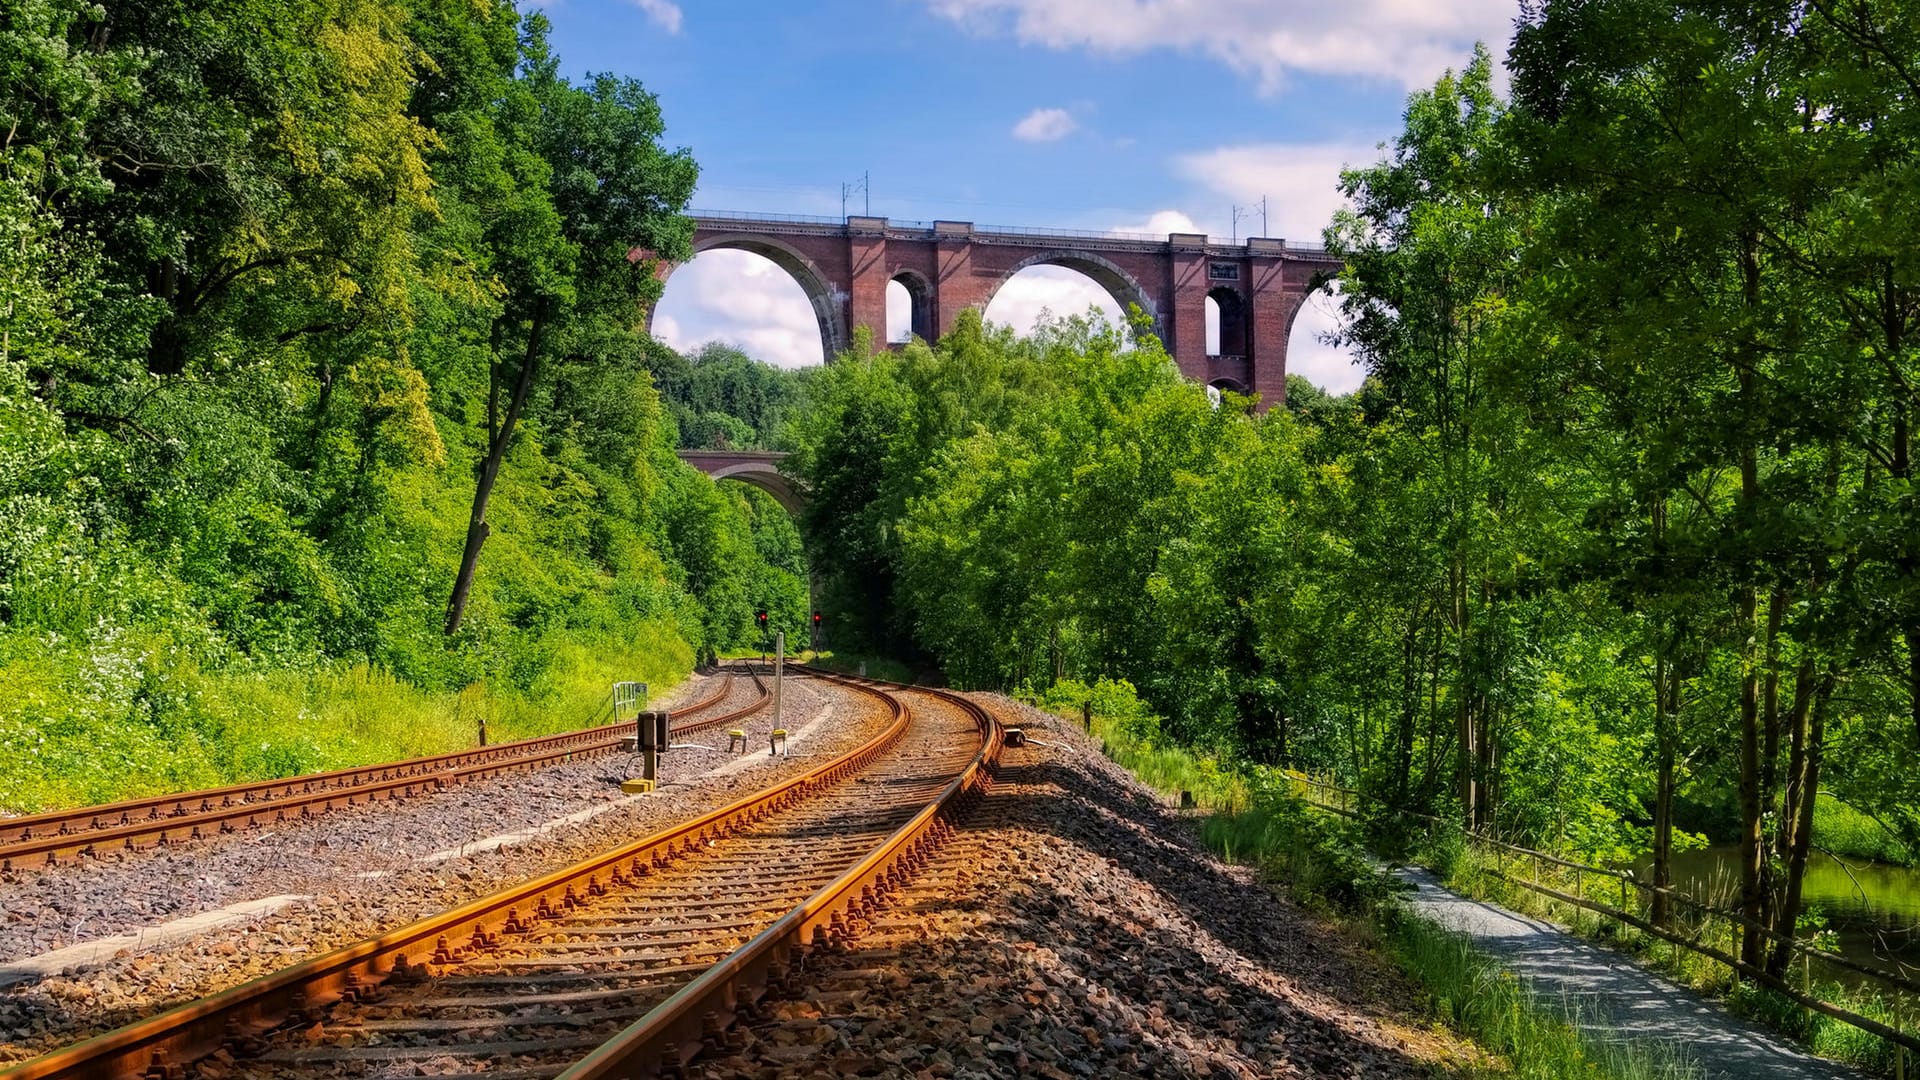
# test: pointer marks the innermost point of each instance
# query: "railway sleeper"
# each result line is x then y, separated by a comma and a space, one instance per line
497, 1021
672, 958
485, 1050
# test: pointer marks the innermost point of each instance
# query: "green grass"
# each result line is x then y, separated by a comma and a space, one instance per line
1535, 1038
1469, 873
118, 721
1824, 1035
1847, 832
876, 667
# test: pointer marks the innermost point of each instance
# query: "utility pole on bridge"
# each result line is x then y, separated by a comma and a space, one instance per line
864, 187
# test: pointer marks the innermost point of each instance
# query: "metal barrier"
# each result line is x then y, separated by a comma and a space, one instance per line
997, 231
627, 697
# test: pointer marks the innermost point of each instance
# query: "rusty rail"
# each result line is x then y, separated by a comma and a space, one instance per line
237, 1016
42, 839
678, 1029
766, 697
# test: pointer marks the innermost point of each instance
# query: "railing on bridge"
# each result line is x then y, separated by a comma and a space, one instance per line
783, 219
988, 230
1075, 234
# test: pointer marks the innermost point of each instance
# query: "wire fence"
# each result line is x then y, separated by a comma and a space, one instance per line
1071, 234
781, 219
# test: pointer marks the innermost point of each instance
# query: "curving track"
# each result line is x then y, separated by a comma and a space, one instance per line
44, 839
618, 966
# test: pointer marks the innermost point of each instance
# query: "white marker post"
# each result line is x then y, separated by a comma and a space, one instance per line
779, 671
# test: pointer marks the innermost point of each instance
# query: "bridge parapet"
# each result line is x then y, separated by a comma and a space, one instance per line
1018, 235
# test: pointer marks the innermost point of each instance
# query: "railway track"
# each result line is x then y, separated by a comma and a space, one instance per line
45, 839
623, 965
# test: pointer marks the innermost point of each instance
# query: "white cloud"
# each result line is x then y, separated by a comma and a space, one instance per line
1160, 223
899, 313
1054, 290
742, 299
1327, 366
1045, 125
1405, 41
665, 13
1300, 182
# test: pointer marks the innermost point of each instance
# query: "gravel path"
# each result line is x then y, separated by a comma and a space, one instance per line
1075, 928
1610, 994
363, 871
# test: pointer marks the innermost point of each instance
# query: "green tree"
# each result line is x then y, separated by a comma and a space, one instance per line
1430, 251
592, 186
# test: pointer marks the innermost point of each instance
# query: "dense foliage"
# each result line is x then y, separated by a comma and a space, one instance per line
1618, 541
721, 399
326, 427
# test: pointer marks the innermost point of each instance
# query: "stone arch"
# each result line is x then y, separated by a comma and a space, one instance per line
767, 478
920, 295
827, 304
1119, 284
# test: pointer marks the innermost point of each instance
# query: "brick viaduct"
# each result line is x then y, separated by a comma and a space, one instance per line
946, 266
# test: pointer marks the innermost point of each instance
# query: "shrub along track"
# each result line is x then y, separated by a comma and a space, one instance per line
528, 979
44, 839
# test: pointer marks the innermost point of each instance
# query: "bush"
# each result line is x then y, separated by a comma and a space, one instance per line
1847, 832
122, 718
1321, 859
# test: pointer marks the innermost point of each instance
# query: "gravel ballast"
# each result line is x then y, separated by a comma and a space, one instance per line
1073, 928
366, 869
1076, 929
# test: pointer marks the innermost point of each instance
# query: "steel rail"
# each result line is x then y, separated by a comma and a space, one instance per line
695, 1017
170, 819
238, 1016
765, 698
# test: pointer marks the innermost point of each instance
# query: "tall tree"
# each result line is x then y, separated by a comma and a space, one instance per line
1430, 251
593, 187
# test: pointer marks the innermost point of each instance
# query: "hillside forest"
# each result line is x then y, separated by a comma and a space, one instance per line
327, 431
324, 396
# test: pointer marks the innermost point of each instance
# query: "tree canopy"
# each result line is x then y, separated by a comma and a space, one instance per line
321, 351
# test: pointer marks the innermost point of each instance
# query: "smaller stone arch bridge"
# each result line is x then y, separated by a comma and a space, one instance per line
760, 469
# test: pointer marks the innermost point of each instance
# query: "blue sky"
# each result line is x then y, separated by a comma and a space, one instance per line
1135, 115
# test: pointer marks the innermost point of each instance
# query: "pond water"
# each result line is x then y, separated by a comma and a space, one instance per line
1873, 907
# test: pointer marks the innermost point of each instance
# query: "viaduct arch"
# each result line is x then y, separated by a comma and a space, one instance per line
758, 469
844, 267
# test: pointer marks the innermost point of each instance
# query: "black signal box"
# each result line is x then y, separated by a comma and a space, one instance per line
653, 733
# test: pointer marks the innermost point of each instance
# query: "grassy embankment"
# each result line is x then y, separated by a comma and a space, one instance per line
1321, 863
1474, 872
1848, 833
102, 723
